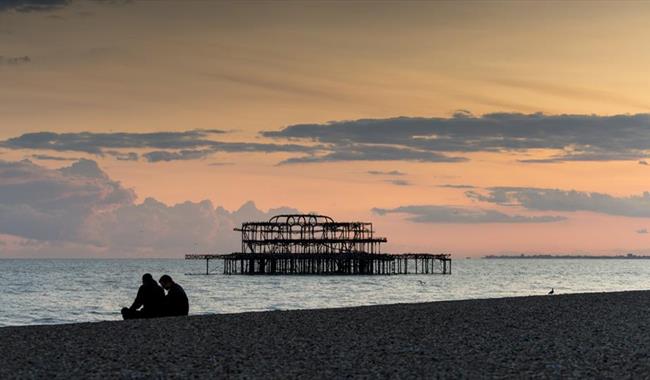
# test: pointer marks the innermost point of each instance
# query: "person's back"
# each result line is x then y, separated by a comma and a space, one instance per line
150, 298
176, 303
177, 300
153, 297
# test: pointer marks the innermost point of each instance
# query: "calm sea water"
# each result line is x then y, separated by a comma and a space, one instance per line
64, 291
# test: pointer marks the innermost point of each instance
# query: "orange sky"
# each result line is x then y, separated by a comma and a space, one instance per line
252, 67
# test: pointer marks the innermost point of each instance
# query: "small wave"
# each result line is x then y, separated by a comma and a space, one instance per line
276, 307
47, 321
102, 312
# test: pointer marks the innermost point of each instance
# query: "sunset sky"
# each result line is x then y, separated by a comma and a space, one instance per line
151, 129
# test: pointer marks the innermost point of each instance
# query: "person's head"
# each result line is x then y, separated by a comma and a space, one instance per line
166, 281
147, 278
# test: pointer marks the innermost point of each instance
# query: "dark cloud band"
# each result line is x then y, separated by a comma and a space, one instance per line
461, 215
432, 140
95, 143
32, 5
575, 137
637, 206
184, 145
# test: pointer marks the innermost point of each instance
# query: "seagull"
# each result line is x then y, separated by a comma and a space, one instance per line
421, 282
552, 291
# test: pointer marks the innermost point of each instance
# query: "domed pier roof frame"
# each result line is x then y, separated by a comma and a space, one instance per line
308, 234
317, 244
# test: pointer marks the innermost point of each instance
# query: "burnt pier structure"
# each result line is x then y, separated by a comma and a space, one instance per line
316, 244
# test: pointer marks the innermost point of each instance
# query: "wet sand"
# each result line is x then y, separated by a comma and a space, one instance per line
560, 336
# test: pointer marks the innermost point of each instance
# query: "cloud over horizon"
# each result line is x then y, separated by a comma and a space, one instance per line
80, 205
44, 204
526, 198
539, 199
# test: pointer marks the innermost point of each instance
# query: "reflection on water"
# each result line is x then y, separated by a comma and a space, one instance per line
63, 291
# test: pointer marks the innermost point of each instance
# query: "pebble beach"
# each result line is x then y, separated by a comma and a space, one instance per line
559, 336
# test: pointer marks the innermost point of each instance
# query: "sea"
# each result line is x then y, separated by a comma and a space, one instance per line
38, 291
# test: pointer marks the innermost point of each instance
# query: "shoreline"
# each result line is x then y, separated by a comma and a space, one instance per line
191, 315
568, 335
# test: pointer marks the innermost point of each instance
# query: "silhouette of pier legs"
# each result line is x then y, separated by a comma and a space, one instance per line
341, 264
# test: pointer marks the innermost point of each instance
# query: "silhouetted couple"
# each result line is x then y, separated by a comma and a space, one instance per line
151, 301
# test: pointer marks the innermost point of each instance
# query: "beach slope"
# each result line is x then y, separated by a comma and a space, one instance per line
580, 335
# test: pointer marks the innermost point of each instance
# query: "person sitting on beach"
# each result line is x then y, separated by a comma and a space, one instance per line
176, 302
150, 298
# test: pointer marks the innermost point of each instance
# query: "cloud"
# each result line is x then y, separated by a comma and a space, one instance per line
80, 207
392, 172
452, 186
636, 206
182, 145
642, 231
121, 156
541, 161
46, 157
221, 163
432, 140
594, 155
32, 5
163, 155
364, 152
449, 214
572, 137
95, 143
15, 60
155, 228
398, 182
44, 204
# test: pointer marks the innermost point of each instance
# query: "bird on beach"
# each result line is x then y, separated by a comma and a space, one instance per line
552, 291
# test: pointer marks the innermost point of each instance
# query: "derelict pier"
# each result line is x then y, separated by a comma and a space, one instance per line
316, 244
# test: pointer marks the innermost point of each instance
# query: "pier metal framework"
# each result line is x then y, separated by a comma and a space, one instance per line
316, 244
